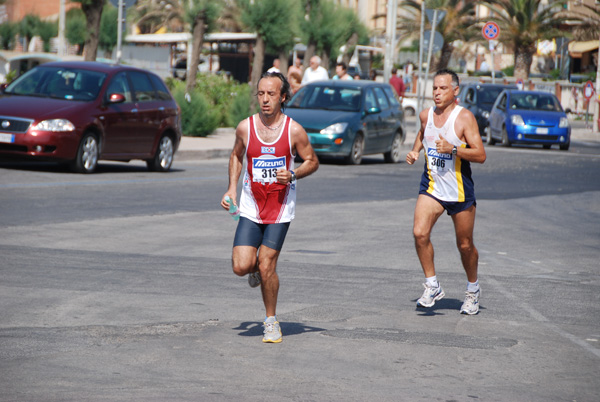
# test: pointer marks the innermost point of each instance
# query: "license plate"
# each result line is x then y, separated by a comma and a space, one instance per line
541, 130
7, 138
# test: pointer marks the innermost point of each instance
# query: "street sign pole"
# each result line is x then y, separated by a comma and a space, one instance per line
491, 31
119, 31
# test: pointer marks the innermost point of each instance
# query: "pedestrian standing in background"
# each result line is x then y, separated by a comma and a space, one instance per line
296, 67
341, 72
450, 139
275, 67
270, 141
314, 72
397, 83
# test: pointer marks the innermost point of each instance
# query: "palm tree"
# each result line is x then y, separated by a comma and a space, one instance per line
589, 29
524, 22
202, 16
458, 23
152, 15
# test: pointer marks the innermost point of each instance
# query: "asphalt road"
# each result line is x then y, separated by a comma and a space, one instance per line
117, 286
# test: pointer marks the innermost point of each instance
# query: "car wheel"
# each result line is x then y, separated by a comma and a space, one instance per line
356, 152
394, 155
163, 159
88, 152
564, 147
488, 139
409, 111
505, 140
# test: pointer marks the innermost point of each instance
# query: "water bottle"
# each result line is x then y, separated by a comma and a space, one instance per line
233, 210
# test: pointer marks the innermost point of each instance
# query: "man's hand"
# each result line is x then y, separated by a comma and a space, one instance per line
442, 146
412, 157
284, 176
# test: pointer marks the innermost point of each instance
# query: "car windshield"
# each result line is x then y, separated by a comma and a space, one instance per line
58, 82
489, 95
328, 98
545, 102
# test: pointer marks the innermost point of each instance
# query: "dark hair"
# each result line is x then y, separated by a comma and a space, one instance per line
342, 65
452, 74
285, 86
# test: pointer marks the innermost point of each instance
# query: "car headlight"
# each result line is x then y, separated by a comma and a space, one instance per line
485, 114
55, 125
517, 120
336, 128
564, 122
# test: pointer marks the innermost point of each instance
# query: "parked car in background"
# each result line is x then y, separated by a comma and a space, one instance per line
350, 119
81, 112
479, 99
529, 117
409, 105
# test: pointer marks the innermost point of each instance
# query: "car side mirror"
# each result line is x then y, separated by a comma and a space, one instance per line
116, 98
373, 110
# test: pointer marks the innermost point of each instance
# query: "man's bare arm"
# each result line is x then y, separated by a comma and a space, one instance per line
302, 147
236, 163
413, 155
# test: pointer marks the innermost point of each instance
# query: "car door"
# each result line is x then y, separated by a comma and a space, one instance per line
497, 116
120, 120
386, 119
371, 120
148, 104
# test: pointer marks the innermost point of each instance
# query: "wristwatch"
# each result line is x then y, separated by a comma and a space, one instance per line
293, 176
454, 150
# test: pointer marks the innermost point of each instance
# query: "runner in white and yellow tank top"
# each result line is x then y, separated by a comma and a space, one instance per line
450, 138
447, 177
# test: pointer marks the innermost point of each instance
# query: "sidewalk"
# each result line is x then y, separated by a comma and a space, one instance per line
220, 143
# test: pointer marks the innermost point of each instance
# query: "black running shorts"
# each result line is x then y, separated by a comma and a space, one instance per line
254, 234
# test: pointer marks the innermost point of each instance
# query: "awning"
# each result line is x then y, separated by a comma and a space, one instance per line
576, 49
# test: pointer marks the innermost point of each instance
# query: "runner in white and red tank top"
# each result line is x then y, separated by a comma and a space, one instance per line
270, 140
264, 200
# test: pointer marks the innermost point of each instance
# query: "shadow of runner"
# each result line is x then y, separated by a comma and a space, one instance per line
444, 304
253, 328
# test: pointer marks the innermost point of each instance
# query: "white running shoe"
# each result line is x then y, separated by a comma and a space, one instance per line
272, 332
254, 279
430, 296
471, 304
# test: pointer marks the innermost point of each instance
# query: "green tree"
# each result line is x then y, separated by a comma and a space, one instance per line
524, 22
274, 24
76, 28
92, 9
46, 31
201, 15
28, 28
108, 28
8, 30
459, 23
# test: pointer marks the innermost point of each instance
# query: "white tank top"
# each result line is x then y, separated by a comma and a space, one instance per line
446, 177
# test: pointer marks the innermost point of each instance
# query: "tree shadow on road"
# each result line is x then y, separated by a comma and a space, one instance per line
253, 328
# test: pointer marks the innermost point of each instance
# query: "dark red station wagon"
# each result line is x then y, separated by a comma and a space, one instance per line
81, 112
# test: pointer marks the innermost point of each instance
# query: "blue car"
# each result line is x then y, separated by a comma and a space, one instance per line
529, 117
350, 119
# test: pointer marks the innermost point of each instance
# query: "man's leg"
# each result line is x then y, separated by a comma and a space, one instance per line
244, 260
267, 265
464, 223
427, 212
